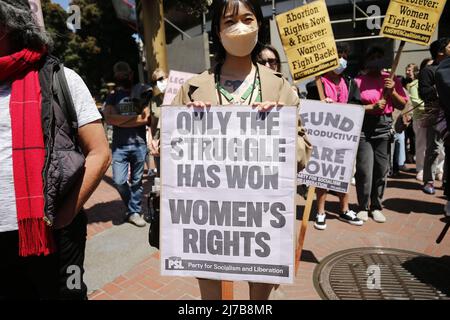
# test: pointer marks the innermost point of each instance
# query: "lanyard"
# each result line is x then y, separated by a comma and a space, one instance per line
221, 91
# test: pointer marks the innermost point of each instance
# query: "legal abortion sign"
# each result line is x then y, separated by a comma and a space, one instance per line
228, 193
334, 131
174, 83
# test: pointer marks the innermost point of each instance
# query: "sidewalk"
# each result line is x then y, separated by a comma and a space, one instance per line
414, 221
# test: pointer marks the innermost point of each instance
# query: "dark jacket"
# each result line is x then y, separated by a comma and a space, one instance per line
354, 96
443, 86
64, 161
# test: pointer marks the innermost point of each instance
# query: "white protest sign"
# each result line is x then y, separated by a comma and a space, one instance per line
228, 179
334, 131
174, 83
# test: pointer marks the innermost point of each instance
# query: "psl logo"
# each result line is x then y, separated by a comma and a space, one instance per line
374, 277
174, 263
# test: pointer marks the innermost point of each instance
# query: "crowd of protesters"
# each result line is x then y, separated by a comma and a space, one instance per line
397, 110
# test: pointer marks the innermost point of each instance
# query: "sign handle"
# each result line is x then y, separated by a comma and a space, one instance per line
320, 88
304, 226
397, 59
309, 199
227, 290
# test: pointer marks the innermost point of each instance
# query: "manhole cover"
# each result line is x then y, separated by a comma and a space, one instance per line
382, 274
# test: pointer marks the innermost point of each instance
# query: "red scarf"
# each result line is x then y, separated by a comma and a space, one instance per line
21, 68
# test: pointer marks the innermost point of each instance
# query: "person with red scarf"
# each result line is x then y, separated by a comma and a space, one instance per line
46, 175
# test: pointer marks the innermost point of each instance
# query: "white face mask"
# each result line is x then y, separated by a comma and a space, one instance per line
162, 85
342, 66
239, 39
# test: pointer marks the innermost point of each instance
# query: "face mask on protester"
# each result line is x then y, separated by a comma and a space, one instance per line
342, 66
162, 85
239, 39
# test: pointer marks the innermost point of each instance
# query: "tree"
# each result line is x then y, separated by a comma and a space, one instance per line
55, 23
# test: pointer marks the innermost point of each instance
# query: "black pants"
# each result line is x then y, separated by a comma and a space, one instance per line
56, 276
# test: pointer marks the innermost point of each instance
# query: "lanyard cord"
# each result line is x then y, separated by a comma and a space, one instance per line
221, 90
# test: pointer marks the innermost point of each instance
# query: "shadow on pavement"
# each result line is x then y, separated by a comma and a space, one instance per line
308, 256
113, 211
410, 205
404, 185
432, 271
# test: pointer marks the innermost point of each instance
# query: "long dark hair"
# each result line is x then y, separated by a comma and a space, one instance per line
218, 11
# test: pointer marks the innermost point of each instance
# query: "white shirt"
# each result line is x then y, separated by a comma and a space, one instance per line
86, 111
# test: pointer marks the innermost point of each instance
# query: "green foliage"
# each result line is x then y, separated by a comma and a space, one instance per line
97, 46
191, 7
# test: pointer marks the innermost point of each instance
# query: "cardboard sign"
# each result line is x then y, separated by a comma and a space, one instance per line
308, 40
228, 193
334, 131
412, 20
174, 83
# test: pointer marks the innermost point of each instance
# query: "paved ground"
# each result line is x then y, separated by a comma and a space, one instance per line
121, 265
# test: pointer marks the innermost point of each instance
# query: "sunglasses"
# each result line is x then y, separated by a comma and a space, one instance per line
270, 61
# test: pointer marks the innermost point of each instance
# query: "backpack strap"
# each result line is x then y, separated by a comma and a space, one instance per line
61, 89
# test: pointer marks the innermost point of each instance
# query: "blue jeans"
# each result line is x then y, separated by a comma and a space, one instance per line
398, 155
129, 157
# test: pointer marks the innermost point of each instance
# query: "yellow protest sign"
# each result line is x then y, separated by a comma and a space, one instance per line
412, 20
308, 40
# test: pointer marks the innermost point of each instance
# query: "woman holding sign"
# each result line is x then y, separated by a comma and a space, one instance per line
239, 80
338, 88
380, 94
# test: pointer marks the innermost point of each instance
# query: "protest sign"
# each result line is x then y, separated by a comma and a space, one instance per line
174, 83
308, 40
228, 193
412, 20
334, 131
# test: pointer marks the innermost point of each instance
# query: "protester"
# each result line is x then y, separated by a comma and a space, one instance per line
236, 29
399, 146
433, 164
159, 78
338, 88
270, 58
129, 114
443, 88
410, 137
418, 117
52, 159
380, 95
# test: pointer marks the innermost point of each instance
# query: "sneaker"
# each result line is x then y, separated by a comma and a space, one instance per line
439, 176
378, 216
429, 189
363, 215
350, 217
447, 209
321, 221
419, 175
353, 181
136, 219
